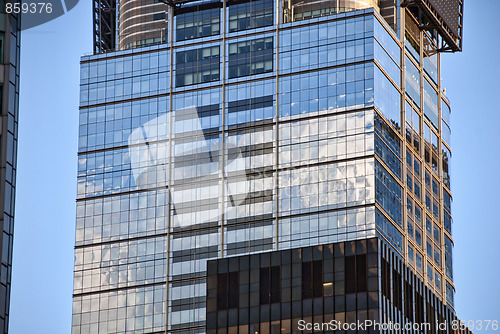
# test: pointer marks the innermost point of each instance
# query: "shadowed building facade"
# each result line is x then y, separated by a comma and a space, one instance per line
357, 286
264, 127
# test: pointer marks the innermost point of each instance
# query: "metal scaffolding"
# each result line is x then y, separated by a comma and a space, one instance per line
444, 19
104, 15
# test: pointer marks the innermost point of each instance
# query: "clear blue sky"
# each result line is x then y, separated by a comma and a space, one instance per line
46, 178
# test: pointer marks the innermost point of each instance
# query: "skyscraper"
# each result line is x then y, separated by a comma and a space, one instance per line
10, 36
264, 127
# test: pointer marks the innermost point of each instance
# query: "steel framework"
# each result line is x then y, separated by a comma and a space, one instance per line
430, 19
104, 15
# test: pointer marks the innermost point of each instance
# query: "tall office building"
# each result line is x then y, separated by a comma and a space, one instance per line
300, 148
9, 96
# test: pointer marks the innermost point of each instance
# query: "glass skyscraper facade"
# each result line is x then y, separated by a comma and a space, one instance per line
257, 126
10, 41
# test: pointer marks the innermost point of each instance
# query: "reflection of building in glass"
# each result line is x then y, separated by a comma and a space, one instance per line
151, 167
10, 41
259, 126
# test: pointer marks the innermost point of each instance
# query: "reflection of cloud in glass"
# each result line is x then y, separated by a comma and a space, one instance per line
199, 201
149, 163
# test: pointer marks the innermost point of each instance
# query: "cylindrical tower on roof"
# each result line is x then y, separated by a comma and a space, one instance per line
141, 23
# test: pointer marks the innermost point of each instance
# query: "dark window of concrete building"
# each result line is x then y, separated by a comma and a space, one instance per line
356, 279
270, 285
396, 288
312, 279
386, 279
408, 294
227, 291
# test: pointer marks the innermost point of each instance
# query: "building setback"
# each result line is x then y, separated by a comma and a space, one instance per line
359, 286
271, 127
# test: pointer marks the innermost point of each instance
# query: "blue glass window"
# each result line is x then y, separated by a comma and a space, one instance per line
251, 14
430, 59
447, 200
412, 37
437, 234
446, 132
445, 112
388, 193
437, 256
387, 63
411, 253
412, 82
431, 104
248, 103
388, 135
418, 261
437, 278
386, 228
450, 294
316, 46
387, 42
447, 222
418, 237
387, 156
448, 257
418, 215
412, 47
197, 66
430, 272
196, 24
430, 67
338, 89
196, 113
446, 166
207, 116
410, 228
251, 57
387, 99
